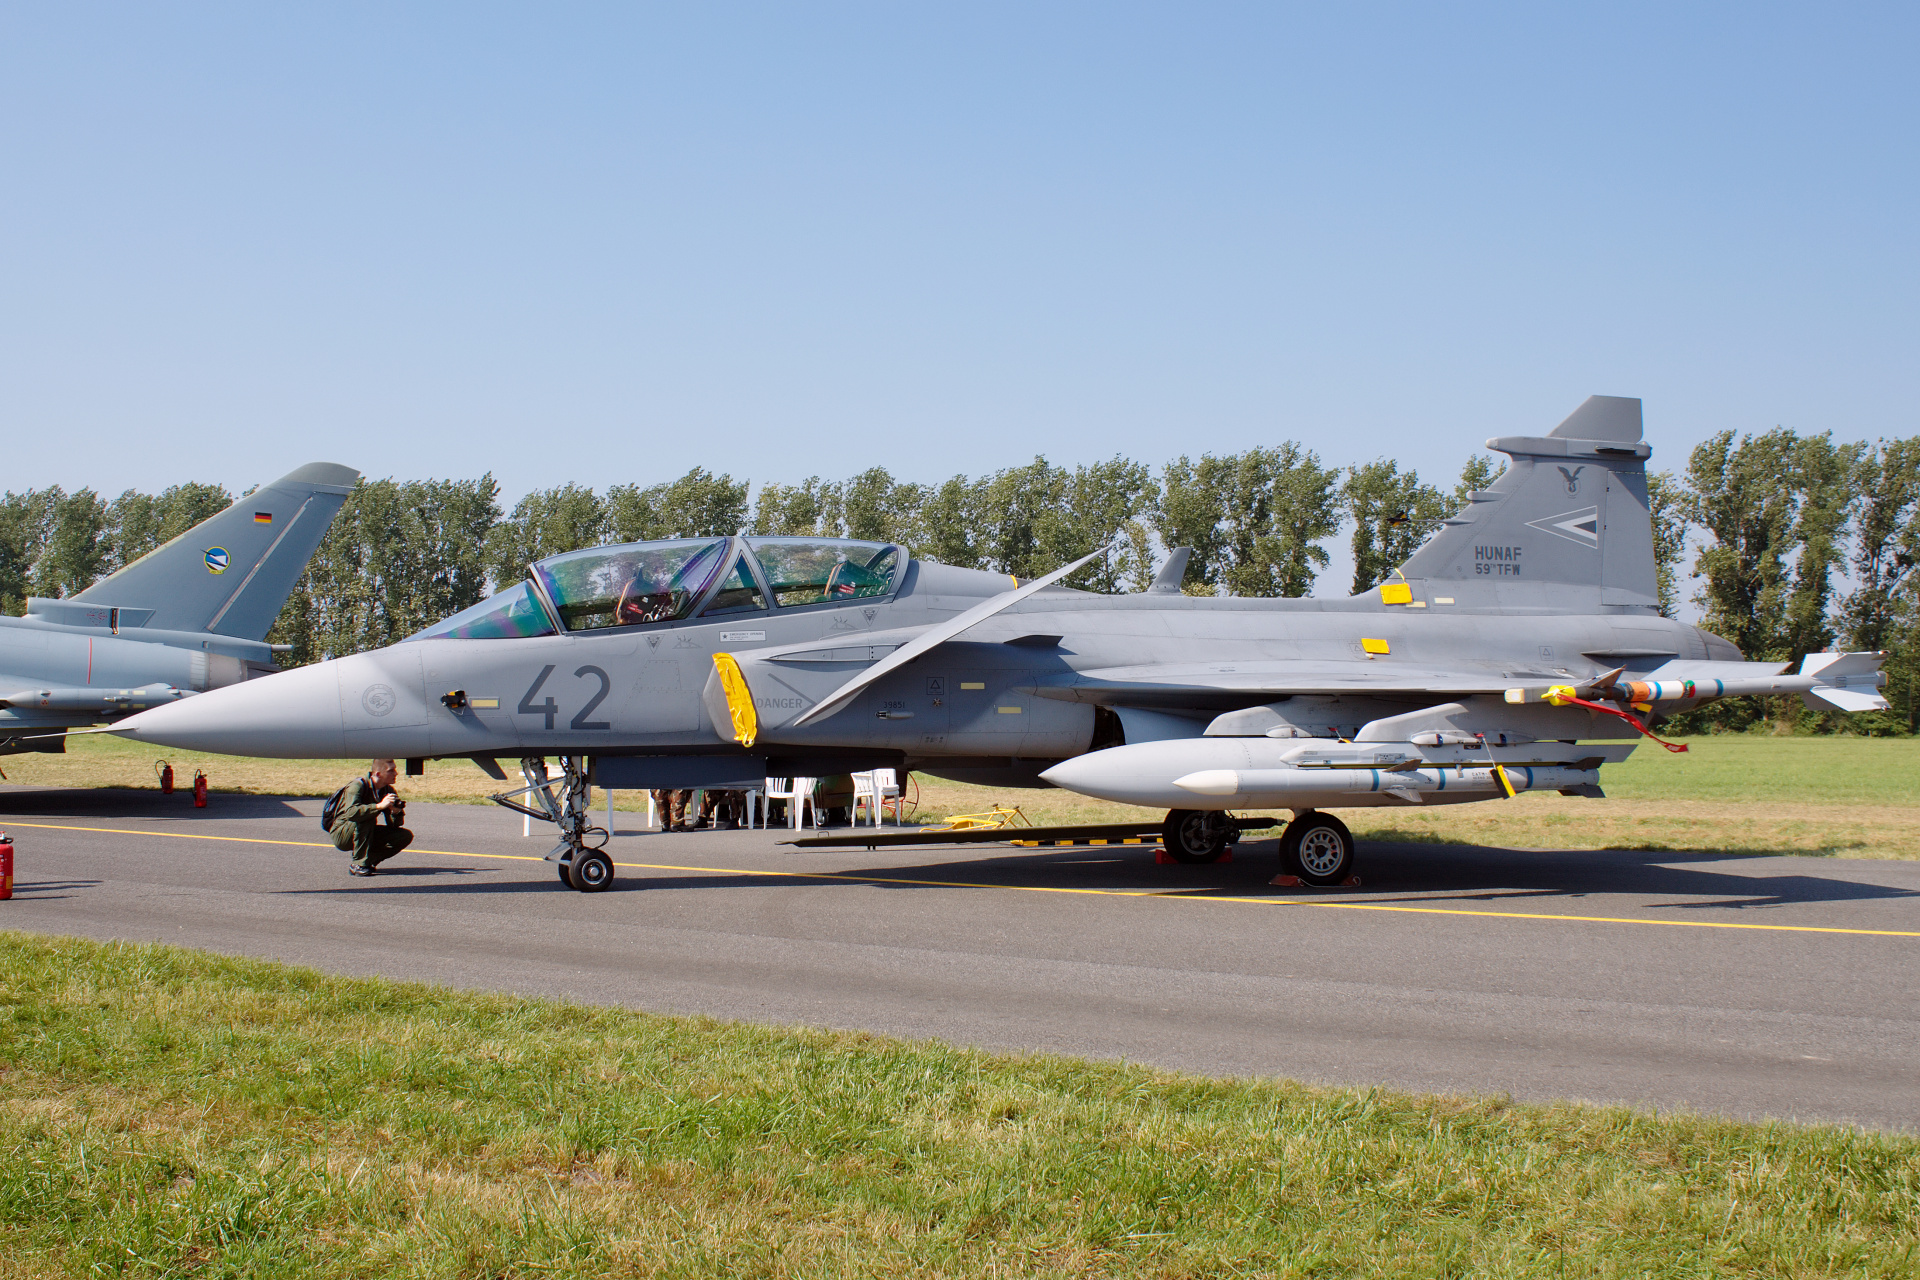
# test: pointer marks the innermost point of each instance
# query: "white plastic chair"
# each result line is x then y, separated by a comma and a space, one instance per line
797, 792
874, 787
886, 786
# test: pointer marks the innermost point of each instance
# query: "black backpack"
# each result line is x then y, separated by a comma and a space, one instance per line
331, 808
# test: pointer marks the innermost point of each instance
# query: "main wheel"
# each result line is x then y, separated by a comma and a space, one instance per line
1318, 848
566, 872
592, 872
1197, 835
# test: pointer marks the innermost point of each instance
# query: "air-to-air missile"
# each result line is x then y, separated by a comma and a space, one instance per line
1521, 648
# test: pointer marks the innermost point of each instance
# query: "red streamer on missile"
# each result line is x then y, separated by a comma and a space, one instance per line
1568, 700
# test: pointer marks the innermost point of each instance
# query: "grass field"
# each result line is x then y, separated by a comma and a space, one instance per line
174, 1113
1852, 797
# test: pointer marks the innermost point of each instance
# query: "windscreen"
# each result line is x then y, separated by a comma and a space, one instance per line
815, 571
738, 594
626, 586
512, 615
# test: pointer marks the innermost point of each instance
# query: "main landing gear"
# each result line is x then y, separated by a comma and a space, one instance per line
1198, 835
1315, 847
1318, 848
583, 863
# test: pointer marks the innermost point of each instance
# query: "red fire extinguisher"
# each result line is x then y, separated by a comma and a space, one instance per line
6, 866
165, 768
199, 789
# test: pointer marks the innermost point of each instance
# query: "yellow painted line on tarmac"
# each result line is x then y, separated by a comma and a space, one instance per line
171, 835
1177, 895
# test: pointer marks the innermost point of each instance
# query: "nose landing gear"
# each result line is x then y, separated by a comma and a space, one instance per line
582, 864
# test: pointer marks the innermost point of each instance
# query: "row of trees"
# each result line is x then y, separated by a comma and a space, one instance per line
1801, 543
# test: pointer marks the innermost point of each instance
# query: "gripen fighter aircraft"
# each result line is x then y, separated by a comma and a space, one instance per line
1513, 652
188, 616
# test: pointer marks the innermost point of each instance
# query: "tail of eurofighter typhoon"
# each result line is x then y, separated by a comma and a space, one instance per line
1566, 528
231, 573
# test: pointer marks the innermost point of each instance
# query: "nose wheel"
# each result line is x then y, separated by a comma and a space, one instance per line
581, 863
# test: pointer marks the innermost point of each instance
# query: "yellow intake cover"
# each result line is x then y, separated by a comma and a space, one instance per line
746, 722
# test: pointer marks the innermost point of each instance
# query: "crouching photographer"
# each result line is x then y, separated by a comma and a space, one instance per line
352, 819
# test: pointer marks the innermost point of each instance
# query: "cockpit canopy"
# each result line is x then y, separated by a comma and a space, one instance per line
653, 582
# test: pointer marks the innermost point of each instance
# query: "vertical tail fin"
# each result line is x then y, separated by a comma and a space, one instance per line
230, 573
1566, 526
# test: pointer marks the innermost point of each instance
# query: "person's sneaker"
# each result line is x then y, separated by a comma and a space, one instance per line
355, 869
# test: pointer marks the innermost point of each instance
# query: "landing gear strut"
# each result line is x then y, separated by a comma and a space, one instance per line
582, 863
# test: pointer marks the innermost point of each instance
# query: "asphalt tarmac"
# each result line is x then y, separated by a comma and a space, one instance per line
1752, 987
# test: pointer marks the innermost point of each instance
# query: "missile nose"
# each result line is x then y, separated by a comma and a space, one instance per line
292, 714
1210, 782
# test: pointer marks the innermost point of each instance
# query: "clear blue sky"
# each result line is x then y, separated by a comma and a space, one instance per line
574, 242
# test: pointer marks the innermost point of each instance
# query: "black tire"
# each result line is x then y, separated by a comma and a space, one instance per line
566, 872
1197, 835
592, 872
1318, 848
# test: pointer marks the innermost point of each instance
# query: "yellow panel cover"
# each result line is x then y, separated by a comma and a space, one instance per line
1396, 593
746, 722
1374, 646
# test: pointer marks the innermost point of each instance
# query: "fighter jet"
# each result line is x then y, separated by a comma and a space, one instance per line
1520, 648
188, 616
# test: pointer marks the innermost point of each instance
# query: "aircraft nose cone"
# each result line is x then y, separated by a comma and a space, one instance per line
293, 714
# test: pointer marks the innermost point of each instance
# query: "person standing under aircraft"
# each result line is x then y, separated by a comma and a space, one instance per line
671, 807
724, 808
356, 823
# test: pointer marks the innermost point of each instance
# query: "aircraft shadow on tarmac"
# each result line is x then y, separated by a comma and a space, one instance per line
130, 802
49, 890
1490, 874
1392, 873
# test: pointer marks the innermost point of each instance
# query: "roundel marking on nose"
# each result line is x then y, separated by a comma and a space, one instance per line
217, 559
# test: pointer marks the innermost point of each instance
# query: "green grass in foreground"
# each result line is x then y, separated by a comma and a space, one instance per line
169, 1112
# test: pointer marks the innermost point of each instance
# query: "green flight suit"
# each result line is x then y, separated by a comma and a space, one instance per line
357, 830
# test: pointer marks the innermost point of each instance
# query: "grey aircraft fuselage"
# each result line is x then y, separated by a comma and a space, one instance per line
709, 662
189, 616
1523, 631
1009, 696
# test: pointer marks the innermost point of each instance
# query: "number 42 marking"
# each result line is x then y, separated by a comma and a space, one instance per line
549, 708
